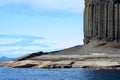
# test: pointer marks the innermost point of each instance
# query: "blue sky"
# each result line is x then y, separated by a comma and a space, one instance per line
28, 26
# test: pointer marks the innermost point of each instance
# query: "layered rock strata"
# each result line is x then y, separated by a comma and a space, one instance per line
94, 61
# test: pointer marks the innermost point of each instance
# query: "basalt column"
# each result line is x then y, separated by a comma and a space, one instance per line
102, 20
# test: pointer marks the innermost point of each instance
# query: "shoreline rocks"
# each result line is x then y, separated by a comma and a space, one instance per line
94, 61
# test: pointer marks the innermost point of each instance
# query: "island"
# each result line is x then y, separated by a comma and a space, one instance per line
101, 48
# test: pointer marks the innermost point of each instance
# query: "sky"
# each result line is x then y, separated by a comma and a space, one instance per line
28, 26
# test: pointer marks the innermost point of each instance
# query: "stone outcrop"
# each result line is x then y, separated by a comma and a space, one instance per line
102, 20
27, 56
101, 37
95, 61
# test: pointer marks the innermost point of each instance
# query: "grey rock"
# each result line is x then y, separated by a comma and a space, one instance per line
101, 20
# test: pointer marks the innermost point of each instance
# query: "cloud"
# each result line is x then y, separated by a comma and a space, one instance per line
13, 54
23, 43
74, 6
16, 52
26, 48
9, 40
58, 44
9, 48
19, 36
41, 41
18, 48
17, 40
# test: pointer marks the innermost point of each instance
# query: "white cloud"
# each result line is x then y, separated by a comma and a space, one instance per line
16, 52
9, 48
58, 44
24, 48
29, 49
37, 41
40, 41
32, 48
9, 40
75, 6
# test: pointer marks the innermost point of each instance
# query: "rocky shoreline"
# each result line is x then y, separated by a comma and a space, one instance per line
94, 61
101, 49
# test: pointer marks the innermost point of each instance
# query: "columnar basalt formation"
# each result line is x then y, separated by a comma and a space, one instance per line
102, 20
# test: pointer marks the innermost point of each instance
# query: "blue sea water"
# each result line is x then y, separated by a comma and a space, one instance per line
57, 74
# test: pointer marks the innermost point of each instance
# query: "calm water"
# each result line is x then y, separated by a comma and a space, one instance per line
57, 74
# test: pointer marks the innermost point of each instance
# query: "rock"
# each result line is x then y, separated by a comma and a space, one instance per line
93, 60
62, 64
101, 20
101, 49
30, 56
93, 63
43, 64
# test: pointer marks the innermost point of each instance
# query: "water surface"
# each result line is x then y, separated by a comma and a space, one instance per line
57, 74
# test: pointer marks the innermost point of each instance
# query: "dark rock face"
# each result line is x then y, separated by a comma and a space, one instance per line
102, 20
30, 56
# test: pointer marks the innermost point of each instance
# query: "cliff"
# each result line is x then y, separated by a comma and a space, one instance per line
101, 47
102, 20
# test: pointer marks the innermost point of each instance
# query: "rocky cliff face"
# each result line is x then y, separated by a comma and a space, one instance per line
102, 20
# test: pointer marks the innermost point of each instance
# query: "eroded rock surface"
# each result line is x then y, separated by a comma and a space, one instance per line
94, 60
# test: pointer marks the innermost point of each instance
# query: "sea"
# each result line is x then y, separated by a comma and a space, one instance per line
57, 74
